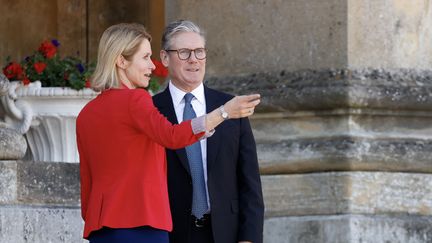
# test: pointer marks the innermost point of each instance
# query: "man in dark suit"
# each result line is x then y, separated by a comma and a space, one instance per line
221, 199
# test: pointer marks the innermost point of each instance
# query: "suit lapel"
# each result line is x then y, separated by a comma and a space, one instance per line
167, 108
212, 102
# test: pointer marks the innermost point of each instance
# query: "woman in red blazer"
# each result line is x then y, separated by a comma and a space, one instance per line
121, 138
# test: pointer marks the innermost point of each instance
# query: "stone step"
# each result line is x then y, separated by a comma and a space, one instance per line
349, 229
333, 193
39, 183
23, 224
347, 140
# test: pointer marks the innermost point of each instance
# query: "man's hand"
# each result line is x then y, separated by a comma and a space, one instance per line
242, 106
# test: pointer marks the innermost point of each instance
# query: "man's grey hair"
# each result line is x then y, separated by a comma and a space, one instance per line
176, 27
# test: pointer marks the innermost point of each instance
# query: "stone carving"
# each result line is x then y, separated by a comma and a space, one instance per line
12, 143
18, 114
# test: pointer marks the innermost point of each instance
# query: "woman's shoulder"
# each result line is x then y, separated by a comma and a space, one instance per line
127, 92
123, 97
141, 91
139, 94
139, 97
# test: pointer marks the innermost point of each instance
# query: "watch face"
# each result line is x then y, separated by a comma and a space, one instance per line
224, 114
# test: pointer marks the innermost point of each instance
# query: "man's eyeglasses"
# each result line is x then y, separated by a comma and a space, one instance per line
184, 53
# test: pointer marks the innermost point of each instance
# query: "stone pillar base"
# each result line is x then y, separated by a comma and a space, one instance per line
348, 228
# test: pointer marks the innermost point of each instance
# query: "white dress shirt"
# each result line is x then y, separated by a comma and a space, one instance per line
199, 106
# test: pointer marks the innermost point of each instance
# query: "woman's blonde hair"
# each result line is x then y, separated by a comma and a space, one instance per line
120, 39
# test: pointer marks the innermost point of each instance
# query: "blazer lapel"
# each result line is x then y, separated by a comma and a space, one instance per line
167, 108
212, 102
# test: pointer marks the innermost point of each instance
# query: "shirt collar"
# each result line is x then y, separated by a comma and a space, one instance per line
178, 95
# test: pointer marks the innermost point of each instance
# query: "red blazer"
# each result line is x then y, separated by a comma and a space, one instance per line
121, 138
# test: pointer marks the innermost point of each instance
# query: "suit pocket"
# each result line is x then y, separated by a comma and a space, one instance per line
234, 206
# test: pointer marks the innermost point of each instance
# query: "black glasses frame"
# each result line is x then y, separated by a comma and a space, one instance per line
190, 53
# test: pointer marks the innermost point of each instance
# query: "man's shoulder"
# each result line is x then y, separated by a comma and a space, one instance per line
210, 92
160, 97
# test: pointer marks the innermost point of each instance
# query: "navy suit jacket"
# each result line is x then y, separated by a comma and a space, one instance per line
234, 185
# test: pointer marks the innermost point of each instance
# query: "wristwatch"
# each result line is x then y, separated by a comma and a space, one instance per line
224, 114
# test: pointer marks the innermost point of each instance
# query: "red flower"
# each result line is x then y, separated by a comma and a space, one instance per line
39, 67
160, 70
26, 81
48, 49
87, 83
13, 71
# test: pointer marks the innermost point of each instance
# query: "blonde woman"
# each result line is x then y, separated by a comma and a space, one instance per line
121, 138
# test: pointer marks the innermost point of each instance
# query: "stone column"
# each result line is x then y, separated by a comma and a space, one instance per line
344, 131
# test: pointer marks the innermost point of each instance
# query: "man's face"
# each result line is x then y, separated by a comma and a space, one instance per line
185, 74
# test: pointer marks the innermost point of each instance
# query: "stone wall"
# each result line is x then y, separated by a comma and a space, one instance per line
245, 37
389, 34
345, 155
39, 202
343, 132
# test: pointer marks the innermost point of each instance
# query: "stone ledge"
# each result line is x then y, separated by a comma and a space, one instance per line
39, 183
344, 153
348, 192
337, 140
22, 224
402, 89
348, 228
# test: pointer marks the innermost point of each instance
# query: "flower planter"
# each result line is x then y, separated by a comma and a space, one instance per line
49, 114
